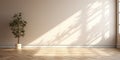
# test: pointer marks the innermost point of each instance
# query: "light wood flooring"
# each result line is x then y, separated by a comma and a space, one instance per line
60, 54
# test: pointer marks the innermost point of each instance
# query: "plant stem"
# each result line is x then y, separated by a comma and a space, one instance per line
18, 40
18, 33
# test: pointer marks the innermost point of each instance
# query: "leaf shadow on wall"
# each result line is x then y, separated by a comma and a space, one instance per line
89, 26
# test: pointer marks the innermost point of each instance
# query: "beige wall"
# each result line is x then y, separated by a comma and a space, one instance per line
61, 22
118, 24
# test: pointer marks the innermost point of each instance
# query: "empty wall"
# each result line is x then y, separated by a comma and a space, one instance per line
61, 22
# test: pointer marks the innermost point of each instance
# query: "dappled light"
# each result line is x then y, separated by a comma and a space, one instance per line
87, 27
94, 40
97, 20
69, 30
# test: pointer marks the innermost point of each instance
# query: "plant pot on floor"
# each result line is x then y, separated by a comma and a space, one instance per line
18, 46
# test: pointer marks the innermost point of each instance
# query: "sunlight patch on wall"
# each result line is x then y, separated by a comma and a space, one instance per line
107, 35
72, 38
87, 27
93, 23
94, 14
119, 28
107, 11
92, 7
66, 32
93, 41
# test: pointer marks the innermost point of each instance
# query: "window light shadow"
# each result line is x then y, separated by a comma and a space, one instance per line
92, 31
62, 32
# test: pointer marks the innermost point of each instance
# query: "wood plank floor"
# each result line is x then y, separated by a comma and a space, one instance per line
60, 54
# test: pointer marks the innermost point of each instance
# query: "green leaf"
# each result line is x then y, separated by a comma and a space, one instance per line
17, 25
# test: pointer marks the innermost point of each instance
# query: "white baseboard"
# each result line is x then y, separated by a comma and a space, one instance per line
60, 46
69, 46
7, 46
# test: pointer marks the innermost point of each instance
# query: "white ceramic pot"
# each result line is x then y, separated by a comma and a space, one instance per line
18, 46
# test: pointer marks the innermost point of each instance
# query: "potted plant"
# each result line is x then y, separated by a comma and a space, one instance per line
17, 26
